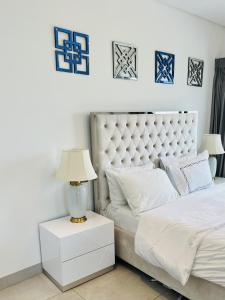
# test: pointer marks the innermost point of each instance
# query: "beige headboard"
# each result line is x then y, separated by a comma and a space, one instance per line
131, 139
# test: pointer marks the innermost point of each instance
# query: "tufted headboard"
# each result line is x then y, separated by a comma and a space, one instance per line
131, 139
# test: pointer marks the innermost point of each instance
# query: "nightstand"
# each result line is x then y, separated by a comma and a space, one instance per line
219, 180
75, 253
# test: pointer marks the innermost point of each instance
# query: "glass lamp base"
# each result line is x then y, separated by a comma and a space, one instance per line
213, 166
78, 220
77, 202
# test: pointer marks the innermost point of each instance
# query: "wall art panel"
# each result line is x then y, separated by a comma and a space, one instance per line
124, 61
71, 51
164, 67
195, 72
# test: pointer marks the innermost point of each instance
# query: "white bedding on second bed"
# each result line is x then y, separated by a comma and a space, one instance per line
209, 262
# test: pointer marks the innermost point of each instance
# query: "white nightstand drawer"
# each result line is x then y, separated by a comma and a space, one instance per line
84, 265
86, 241
74, 253
69, 240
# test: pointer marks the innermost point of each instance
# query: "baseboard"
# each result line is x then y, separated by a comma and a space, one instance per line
20, 276
64, 288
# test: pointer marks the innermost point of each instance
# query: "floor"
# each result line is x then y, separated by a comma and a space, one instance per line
123, 283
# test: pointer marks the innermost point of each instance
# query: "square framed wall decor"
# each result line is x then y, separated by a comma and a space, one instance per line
124, 61
71, 51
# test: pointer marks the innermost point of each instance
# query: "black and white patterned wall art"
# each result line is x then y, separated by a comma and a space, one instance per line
124, 61
195, 72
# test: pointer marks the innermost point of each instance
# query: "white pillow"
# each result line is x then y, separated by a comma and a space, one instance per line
189, 173
116, 195
165, 162
146, 189
198, 175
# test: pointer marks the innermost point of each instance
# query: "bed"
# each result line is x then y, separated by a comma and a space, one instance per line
132, 139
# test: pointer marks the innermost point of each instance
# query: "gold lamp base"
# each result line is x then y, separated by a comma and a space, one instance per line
78, 220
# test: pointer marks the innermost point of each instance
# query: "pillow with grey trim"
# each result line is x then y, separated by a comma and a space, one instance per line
198, 175
190, 173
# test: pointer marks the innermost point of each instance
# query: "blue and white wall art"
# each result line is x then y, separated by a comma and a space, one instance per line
71, 51
164, 67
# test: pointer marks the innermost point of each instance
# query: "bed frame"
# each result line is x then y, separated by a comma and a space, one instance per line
131, 139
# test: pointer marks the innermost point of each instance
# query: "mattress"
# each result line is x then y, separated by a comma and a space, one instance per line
123, 218
209, 262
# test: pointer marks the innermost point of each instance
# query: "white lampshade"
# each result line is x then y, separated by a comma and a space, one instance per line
76, 165
212, 143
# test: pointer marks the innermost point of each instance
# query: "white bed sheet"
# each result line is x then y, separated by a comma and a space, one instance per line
209, 262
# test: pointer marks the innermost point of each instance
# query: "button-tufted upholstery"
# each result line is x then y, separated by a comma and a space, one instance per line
123, 139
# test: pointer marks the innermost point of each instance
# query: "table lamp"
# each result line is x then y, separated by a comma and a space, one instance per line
212, 143
76, 168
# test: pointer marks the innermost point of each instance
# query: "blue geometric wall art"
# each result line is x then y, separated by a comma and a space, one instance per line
72, 51
164, 67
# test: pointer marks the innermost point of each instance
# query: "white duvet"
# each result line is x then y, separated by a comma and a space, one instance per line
186, 236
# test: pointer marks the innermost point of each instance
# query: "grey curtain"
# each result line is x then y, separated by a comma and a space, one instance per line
217, 124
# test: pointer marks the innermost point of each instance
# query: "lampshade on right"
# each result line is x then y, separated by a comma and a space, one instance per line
212, 143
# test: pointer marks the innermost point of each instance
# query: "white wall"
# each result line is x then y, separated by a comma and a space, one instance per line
43, 111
